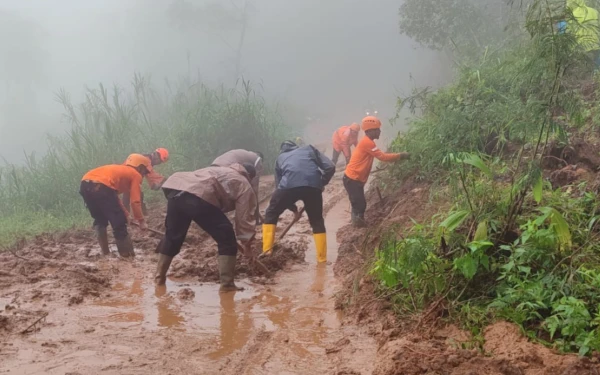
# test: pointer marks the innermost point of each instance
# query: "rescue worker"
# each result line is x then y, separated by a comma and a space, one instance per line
301, 173
100, 189
344, 138
359, 168
299, 141
154, 179
204, 196
244, 157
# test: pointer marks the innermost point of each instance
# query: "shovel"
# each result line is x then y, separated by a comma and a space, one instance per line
150, 229
251, 258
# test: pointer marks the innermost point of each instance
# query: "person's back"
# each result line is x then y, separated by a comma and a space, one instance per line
302, 166
219, 186
118, 177
239, 156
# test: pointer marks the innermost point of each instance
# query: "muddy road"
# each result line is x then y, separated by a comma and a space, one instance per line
64, 309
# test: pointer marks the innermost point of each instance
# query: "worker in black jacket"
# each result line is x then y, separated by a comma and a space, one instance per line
301, 173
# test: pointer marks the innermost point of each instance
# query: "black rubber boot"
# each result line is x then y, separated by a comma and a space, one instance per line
227, 273
164, 262
358, 221
159, 246
102, 236
125, 247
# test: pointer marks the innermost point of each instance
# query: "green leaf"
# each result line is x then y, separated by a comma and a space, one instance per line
455, 220
484, 260
467, 265
538, 188
476, 162
481, 234
560, 226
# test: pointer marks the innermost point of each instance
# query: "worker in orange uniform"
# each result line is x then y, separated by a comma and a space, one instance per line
154, 179
344, 138
100, 189
359, 167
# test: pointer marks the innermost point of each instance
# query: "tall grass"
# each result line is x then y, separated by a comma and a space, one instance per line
194, 121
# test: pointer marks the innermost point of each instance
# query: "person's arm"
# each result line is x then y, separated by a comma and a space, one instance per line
155, 180
325, 165
346, 151
278, 174
135, 191
245, 207
383, 156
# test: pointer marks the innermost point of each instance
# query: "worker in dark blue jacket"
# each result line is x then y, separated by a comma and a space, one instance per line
301, 174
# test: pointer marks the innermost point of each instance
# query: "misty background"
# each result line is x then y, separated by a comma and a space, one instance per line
330, 60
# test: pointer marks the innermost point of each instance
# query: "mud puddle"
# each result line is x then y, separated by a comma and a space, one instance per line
287, 325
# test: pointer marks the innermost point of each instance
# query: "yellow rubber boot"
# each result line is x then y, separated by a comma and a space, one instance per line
268, 237
321, 246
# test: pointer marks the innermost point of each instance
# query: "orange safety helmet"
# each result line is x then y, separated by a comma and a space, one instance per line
135, 160
371, 122
355, 127
163, 153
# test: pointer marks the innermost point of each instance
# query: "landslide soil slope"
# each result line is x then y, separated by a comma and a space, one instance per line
424, 344
65, 309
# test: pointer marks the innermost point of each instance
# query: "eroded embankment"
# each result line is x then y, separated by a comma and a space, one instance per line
425, 344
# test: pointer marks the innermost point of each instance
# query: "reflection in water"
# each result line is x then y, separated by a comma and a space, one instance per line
126, 300
167, 315
235, 326
320, 277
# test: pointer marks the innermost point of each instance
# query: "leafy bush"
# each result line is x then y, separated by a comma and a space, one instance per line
510, 247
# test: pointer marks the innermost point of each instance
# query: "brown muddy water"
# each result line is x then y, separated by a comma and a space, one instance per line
288, 326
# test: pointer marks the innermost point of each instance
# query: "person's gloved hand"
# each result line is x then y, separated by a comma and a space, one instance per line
404, 156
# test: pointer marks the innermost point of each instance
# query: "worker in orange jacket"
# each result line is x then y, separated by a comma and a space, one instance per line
359, 168
100, 189
344, 138
154, 179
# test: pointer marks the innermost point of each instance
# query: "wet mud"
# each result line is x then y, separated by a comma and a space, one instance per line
65, 309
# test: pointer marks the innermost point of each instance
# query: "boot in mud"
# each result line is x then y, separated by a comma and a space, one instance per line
159, 246
125, 247
227, 273
358, 221
102, 236
164, 262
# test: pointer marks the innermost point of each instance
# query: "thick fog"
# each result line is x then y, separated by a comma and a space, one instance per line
334, 58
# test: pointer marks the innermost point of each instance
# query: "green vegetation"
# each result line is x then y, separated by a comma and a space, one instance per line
194, 121
511, 247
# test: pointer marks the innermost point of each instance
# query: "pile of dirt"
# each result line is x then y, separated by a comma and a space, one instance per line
507, 352
202, 262
582, 151
396, 210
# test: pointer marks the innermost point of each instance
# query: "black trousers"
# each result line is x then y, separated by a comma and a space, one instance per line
127, 202
284, 199
182, 209
104, 206
335, 156
356, 192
